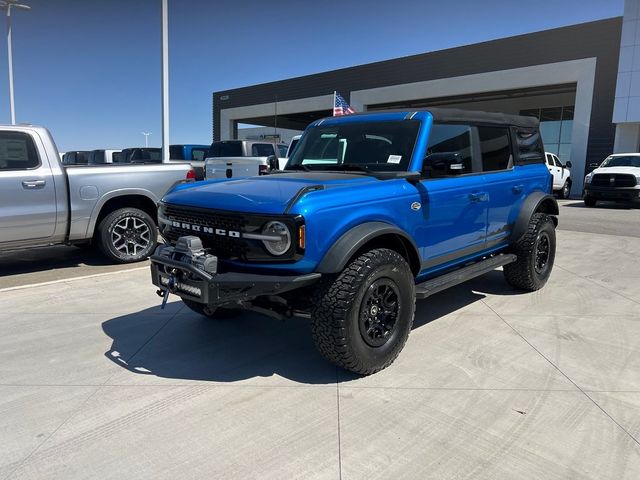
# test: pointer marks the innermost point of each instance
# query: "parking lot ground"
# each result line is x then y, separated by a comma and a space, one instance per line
97, 382
50, 264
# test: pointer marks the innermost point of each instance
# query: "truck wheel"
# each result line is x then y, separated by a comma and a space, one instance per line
565, 191
361, 317
536, 252
211, 312
589, 201
127, 235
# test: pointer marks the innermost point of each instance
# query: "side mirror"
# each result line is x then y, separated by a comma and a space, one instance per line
443, 164
568, 164
272, 162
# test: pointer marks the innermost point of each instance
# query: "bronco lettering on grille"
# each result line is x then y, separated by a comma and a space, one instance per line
201, 228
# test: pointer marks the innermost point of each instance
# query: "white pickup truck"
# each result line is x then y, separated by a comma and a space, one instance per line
244, 158
616, 179
43, 202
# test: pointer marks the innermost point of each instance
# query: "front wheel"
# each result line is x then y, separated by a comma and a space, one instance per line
361, 318
127, 235
536, 252
566, 190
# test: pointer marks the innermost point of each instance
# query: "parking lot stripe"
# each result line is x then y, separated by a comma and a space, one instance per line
64, 280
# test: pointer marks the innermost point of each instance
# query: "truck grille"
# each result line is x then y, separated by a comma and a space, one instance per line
222, 245
613, 180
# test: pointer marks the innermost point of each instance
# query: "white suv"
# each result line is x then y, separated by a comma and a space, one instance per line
617, 178
561, 175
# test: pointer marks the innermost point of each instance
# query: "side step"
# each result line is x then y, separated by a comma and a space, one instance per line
435, 285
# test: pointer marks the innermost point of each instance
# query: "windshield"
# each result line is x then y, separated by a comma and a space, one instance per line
377, 146
621, 162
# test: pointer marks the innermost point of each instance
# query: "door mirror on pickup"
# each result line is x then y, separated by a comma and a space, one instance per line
445, 164
272, 162
568, 165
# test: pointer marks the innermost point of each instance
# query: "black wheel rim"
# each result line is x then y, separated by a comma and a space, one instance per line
379, 312
543, 246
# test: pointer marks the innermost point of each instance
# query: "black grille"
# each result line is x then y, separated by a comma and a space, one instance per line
619, 180
221, 245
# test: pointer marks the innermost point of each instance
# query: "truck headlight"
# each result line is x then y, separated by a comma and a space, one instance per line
587, 179
277, 230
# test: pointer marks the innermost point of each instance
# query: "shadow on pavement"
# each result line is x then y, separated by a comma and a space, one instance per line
192, 347
49, 258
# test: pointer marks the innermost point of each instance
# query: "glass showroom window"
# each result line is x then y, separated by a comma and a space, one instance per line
556, 124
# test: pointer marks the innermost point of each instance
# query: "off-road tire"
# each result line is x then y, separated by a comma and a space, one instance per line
211, 312
589, 201
104, 234
337, 305
523, 273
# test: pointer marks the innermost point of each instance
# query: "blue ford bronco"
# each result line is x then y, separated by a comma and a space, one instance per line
372, 212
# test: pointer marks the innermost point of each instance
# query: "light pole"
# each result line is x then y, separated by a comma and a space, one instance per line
146, 138
8, 5
165, 81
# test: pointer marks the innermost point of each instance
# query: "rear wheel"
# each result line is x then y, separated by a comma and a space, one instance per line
127, 235
589, 201
536, 252
361, 318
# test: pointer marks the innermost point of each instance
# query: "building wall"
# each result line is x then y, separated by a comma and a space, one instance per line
626, 112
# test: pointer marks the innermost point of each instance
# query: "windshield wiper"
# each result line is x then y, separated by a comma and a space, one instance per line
349, 167
297, 166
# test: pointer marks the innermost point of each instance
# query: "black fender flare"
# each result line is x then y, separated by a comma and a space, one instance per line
534, 203
354, 239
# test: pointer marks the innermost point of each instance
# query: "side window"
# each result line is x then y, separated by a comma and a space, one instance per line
17, 151
282, 151
557, 160
530, 148
549, 159
198, 154
495, 147
449, 151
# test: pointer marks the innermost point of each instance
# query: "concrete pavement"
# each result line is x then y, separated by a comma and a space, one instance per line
97, 382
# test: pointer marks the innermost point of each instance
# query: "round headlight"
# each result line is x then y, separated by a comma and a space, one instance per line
279, 230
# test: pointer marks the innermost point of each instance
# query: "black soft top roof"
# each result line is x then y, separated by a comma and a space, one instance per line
476, 116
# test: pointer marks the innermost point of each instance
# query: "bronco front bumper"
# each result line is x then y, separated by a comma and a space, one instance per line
188, 271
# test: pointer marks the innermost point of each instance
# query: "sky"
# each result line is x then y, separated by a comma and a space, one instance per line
90, 71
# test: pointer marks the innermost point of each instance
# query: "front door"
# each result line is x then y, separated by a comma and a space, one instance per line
454, 198
27, 193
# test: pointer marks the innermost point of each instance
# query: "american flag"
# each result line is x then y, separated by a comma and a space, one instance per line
340, 105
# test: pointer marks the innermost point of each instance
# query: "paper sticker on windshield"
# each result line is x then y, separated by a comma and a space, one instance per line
394, 159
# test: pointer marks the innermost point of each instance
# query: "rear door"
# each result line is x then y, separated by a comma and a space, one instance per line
27, 191
506, 190
454, 202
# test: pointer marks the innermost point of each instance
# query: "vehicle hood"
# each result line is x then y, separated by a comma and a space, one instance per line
609, 170
266, 194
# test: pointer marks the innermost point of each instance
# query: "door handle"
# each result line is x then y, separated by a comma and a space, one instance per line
517, 189
479, 197
32, 184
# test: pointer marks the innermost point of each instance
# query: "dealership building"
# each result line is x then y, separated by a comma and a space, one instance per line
581, 81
